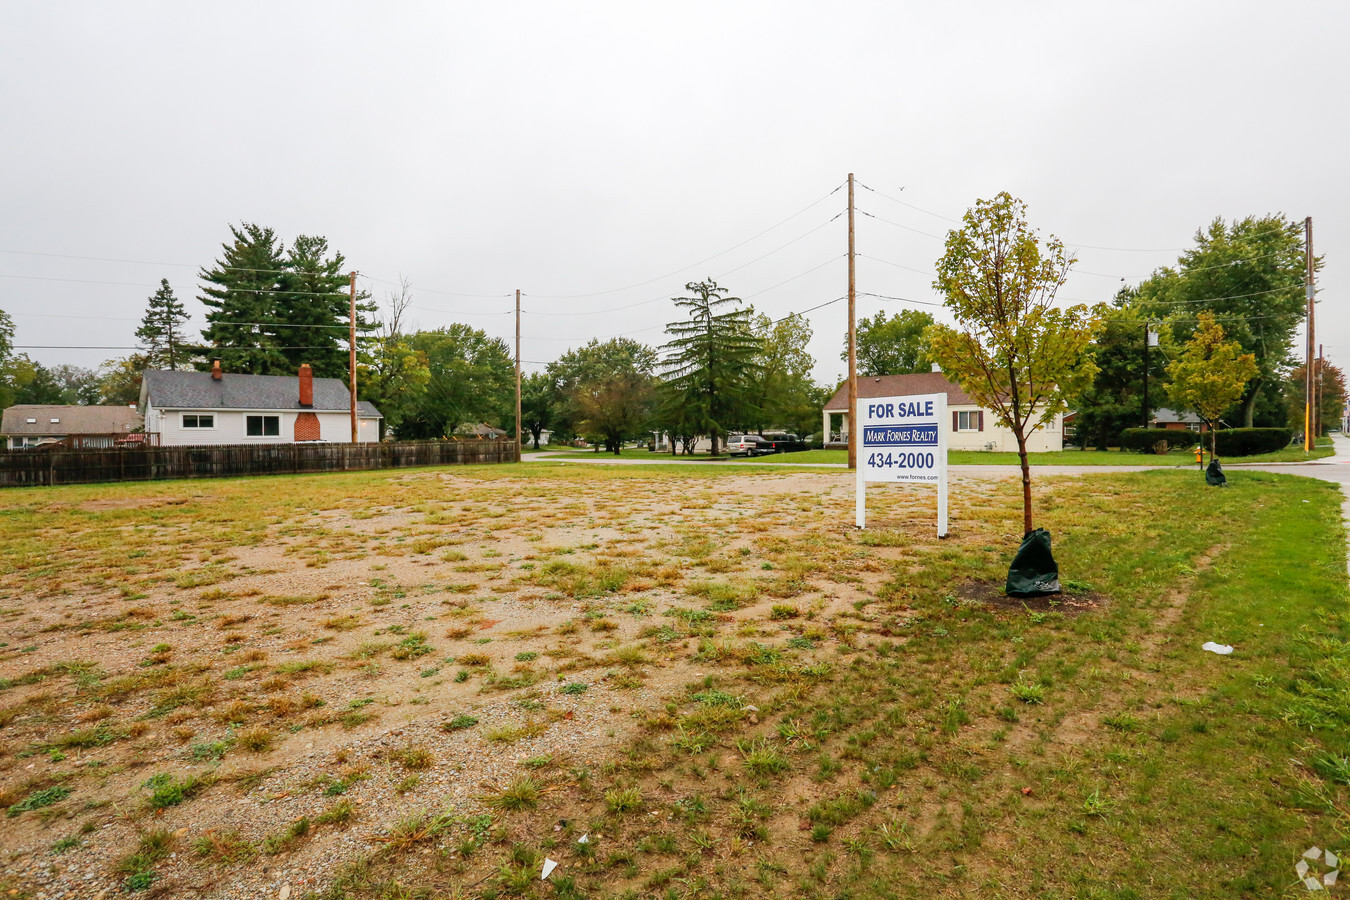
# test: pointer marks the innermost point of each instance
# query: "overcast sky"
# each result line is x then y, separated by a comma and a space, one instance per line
597, 156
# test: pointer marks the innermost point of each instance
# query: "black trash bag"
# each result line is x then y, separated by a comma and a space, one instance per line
1033, 572
1214, 474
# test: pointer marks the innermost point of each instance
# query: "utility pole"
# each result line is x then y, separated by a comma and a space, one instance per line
517, 374
852, 342
351, 362
1308, 358
1146, 337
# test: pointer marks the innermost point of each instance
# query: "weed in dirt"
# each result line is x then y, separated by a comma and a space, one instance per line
522, 793
286, 839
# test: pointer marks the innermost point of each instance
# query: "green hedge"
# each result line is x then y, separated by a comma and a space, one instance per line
1251, 441
1143, 440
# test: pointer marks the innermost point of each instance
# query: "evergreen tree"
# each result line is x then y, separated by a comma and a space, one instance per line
271, 310
313, 304
711, 361
240, 294
161, 331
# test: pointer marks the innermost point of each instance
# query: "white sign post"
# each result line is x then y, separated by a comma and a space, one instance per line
903, 439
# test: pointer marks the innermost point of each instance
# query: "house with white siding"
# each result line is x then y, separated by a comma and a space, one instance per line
970, 427
216, 407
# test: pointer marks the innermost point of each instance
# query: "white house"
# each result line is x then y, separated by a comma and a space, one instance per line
186, 408
970, 428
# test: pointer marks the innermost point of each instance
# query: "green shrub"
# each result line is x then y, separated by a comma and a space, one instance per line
1251, 441
1143, 440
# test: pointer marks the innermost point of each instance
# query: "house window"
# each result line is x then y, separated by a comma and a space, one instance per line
970, 420
262, 426
196, 420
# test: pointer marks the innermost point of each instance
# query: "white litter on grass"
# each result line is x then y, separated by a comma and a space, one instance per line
1221, 649
1309, 874
549, 866
585, 838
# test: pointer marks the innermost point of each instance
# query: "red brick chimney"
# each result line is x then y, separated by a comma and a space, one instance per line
215, 370
306, 385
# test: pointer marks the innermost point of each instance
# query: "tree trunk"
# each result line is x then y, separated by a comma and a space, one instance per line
1213, 442
1249, 404
1026, 482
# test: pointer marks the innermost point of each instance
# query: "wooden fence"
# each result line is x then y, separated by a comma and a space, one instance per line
157, 463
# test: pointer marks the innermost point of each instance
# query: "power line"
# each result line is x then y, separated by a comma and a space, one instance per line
810, 309
898, 225
144, 262
691, 265
901, 299
1075, 243
887, 262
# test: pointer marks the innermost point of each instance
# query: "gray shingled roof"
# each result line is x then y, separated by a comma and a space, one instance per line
74, 419
198, 390
900, 386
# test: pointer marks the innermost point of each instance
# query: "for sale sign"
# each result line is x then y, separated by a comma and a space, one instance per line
903, 440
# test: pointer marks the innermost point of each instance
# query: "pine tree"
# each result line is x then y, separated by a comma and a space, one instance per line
271, 310
314, 303
711, 361
240, 294
161, 331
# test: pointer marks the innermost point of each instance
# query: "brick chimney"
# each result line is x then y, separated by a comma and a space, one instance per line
306, 385
215, 370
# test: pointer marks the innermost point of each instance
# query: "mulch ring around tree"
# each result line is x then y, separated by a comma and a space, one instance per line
1070, 602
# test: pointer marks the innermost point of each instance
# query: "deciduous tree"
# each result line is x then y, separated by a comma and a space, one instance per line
1331, 394
1209, 374
538, 402
893, 345
472, 379
606, 388
1249, 275
1014, 352
785, 395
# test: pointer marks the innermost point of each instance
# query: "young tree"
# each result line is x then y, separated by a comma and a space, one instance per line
1209, 374
892, 346
711, 360
161, 331
1330, 392
1014, 352
1248, 273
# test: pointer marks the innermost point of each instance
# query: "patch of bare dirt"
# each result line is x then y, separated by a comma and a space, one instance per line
1070, 603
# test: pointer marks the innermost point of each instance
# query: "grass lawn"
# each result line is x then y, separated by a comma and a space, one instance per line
1064, 457
704, 670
